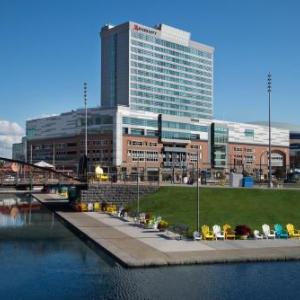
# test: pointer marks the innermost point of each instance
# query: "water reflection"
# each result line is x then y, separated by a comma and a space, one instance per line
16, 211
42, 259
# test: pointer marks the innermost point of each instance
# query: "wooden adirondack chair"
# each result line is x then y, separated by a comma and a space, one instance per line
280, 232
206, 233
228, 232
292, 231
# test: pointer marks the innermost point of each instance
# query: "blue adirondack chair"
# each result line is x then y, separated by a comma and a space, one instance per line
280, 232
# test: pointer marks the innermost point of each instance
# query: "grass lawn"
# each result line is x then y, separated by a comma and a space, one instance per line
253, 207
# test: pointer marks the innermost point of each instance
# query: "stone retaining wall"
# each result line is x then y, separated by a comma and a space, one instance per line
116, 193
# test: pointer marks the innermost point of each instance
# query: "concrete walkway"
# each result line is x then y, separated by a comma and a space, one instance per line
50, 198
137, 247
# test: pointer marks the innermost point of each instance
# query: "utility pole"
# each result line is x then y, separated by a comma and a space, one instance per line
270, 150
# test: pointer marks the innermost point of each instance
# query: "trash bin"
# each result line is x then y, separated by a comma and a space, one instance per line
248, 182
203, 177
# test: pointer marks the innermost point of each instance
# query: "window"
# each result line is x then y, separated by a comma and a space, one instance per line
140, 122
249, 133
176, 135
152, 144
152, 132
137, 131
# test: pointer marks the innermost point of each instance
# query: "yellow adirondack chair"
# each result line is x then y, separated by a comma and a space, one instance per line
206, 233
83, 206
229, 233
96, 206
112, 209
292, 231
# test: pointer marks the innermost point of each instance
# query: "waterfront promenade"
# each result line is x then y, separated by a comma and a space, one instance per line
137, 247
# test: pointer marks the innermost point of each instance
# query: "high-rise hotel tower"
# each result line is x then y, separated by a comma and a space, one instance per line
160, 70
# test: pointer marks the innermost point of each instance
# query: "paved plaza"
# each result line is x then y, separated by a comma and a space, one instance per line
136, 247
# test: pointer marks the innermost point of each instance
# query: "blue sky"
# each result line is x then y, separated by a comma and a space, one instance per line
49, 48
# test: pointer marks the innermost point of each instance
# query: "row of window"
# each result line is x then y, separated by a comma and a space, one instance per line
172, 79
239, 149
170, 105
139, 143
164, 134
179, 135
202, 102
113, 73
171, 59
97, 142
101, 159
167, 84
170, 112
150, 38
100, 151
185, 126
196, 146
143, 155
170, 52
138, 131
220, 139
100, 120
140, 122
169, 65
168, 92
161, 70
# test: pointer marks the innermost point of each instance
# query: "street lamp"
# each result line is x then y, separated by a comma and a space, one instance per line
85, 106
198, 204
138, 186
270, 152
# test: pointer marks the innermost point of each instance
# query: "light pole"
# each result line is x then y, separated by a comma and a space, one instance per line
85, 106
270, 152
138, 186
85, 151
198, 204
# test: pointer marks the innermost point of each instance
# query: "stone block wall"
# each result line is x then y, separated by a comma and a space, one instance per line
116, 193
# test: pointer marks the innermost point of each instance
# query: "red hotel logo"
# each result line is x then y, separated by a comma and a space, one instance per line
139, 28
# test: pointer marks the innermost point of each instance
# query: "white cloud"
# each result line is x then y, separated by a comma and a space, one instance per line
10, 132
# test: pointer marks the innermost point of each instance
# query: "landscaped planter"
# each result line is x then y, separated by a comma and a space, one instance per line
242, 231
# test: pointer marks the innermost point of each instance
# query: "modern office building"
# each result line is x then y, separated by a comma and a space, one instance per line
159, 70
19, 150
123, 140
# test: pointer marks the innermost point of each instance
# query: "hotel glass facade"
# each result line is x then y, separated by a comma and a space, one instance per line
168, 73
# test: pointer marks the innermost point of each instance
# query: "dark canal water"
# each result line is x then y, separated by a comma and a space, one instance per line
41, 259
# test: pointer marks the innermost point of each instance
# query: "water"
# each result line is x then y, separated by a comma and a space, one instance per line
41, 259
